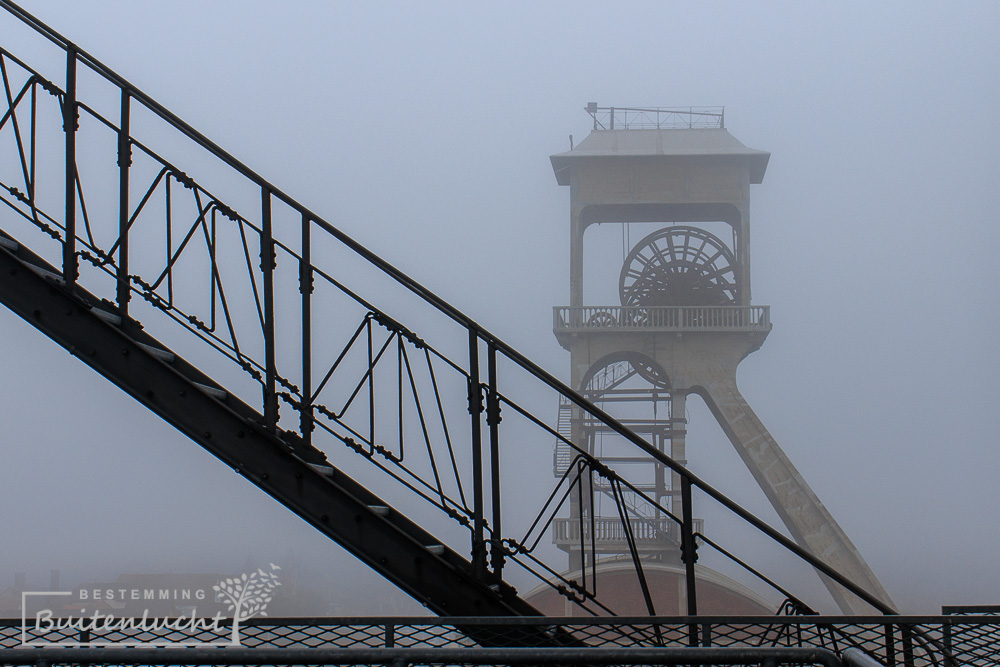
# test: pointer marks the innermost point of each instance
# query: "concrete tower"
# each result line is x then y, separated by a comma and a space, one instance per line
685, 318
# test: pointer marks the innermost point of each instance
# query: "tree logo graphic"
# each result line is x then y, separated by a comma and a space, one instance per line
248, 595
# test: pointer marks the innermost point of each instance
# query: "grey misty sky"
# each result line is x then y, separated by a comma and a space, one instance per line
424, 129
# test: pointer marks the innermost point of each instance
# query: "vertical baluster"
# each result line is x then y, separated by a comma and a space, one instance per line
306, 289
371, 386
890, 645
267, 267
169, 221
124, 162
688, 548
475, 410
34, 143
70, 124
946, 644
493, 420
908, 654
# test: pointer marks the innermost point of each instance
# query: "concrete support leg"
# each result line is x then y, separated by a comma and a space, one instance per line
808, 521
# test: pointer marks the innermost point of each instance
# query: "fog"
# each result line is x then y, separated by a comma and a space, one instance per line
423, 130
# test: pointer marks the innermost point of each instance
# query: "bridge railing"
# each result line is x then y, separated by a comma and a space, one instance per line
296, 318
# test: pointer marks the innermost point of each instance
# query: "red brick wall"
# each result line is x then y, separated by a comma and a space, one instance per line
620, 590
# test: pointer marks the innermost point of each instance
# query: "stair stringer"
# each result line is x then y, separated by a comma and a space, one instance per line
332, 502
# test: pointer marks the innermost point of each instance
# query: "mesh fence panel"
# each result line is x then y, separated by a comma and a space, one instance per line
943, 641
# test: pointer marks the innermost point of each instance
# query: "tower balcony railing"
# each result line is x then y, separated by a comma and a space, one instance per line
609, 534
568, 319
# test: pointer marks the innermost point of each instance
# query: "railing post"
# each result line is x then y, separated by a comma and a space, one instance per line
493, 420
390, 635
475, 411
267, 267
124, 162
70, 124
907, 632
688, 549
306, 288
890, 645
946, 643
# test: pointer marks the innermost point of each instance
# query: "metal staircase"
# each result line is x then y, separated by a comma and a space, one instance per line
275, 341
277, 461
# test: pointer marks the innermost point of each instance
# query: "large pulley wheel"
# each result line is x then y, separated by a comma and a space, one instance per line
678, 266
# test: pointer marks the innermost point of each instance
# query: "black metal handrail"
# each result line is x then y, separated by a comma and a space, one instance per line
220, 331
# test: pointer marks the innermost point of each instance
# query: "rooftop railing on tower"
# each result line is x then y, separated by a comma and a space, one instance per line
656, 118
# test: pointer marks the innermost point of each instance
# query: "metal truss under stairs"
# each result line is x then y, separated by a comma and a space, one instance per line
210, 307
295, 474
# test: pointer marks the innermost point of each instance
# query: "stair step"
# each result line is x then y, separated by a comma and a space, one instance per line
163, 355
110, 318
322, 469
45, 273
10, 244
381, 510
215, 392
436, 549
